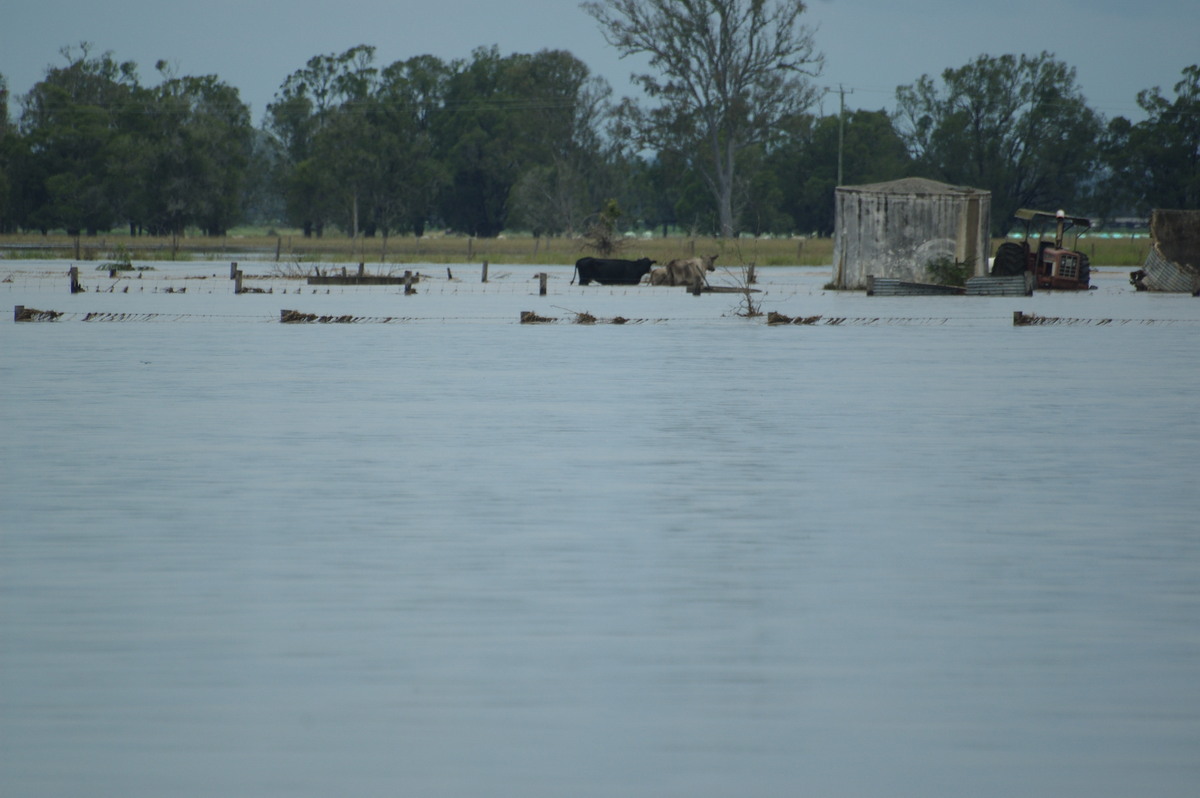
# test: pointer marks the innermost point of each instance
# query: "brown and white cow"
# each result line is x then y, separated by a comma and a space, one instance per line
684, 271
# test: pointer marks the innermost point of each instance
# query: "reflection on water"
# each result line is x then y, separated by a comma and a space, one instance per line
668, 560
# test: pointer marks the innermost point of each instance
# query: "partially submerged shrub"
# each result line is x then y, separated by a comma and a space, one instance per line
944, 270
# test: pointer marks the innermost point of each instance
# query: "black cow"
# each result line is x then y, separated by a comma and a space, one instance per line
612, 271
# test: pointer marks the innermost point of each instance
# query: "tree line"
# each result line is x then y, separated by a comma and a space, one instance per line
536, 142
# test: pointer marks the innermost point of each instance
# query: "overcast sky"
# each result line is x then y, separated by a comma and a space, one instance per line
1118, 47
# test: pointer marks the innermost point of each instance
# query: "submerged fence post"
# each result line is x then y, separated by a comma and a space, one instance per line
18, 311
237, 282
541, 284
76, 288
485, 271
408, 279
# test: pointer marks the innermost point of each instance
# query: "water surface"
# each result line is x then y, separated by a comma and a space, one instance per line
694, 556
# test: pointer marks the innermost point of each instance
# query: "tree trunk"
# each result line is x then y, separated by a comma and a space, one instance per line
725, 207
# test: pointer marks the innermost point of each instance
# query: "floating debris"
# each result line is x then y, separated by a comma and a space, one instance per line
22, 313
529, 317
774, 318
296, 317
125, 316
409, 279
1032, 319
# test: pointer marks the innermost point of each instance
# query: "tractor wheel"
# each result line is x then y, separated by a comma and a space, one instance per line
1085, 270
1009, 260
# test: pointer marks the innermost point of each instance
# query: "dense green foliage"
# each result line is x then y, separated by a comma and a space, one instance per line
464, 145
1156, 162
94, 149
535, 142
1018, 126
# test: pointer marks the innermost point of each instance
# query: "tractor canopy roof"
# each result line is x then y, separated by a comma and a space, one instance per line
1042, 217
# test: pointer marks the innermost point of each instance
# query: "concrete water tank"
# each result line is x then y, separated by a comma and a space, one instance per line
896, 229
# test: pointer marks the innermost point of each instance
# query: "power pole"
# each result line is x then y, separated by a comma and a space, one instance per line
842, 92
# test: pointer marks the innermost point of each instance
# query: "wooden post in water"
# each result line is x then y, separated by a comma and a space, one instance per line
542, 284
485, 271
751, 279
408, 278
18, 310
361, 266
237, 282
75, 286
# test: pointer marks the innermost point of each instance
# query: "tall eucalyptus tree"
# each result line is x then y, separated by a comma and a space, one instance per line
727, 71
1017, 126
1155, 163
314, 101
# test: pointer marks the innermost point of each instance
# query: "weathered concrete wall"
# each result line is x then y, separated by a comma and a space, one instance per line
895, 229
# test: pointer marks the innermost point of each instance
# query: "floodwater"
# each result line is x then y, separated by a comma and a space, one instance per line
440, 553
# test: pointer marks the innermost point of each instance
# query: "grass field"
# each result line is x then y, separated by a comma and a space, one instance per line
292, 247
